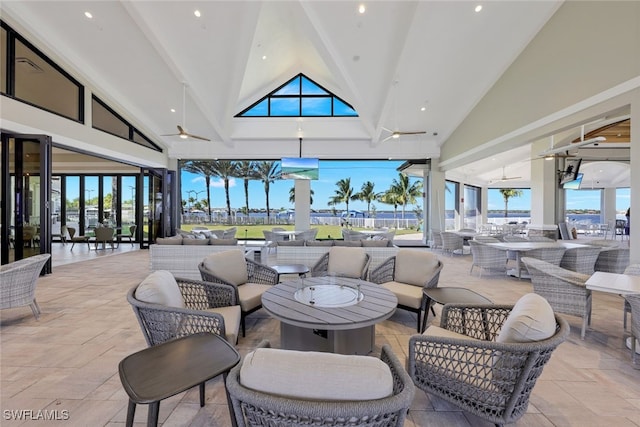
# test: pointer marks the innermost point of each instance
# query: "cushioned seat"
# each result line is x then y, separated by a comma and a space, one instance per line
249, 278
343, 261
169, 308
406, 274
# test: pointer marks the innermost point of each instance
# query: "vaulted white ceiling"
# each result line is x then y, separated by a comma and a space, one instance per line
388, 63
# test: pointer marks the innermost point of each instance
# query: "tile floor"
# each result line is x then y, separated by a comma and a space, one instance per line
67, 361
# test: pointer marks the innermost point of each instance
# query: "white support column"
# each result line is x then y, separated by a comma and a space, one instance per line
634, 185
544, 184
484, 207
426, 223
608, 206
302, 205
436, 198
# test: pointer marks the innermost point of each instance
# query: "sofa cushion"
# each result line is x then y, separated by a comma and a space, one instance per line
348, 243
229, 265
160, 287
173, 240
437, 331
347, 262
415, 267
223, 242
250, 295
316, 376
318, 242
531, 319
195, 242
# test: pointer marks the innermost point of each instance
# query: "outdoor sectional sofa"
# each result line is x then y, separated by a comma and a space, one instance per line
182, 259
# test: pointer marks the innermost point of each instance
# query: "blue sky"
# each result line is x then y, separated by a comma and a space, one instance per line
381, 173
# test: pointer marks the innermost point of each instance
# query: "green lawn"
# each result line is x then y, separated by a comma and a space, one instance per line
255, 231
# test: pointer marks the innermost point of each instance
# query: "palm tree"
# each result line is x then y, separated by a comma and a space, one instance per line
246, 170
267, 172
406, 192
226, 169
391, 198
206, 169
507, 193
367, 194
343, 194
292, 195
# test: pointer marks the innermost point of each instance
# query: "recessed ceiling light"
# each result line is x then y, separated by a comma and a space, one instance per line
361, 8
173, 110
264, 57
88, 15
478, 8
197, 13
423, 108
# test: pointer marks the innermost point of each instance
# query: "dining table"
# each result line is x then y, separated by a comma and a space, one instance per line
522, 247
615, 283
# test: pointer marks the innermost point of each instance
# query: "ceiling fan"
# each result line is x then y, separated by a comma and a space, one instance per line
395, 134
505, 177
182, 132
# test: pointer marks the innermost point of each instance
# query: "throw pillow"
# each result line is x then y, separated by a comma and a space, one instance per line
415, 267
531, 319
230, 266
347, 262
160, 287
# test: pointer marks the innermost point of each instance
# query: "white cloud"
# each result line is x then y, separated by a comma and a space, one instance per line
219, 183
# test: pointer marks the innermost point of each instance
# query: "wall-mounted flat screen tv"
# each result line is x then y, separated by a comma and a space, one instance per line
570, 173
299, 168
575, 184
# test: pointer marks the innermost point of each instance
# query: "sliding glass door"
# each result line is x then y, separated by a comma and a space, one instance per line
26, 197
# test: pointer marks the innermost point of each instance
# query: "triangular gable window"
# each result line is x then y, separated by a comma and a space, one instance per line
300, 97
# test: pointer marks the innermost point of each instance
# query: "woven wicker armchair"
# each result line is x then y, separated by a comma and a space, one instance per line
161, 322
437, 239
564, 289
249, 278
420, 270
634, 304
451, 243
258, 408
485, 378
582, 260
343, 261
613, 260
18, 281
487, 257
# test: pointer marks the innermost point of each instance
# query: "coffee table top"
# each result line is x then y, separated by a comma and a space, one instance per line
376, 305
158, 372
290, 268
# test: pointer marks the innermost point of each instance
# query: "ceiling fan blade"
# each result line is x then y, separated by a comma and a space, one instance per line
181, 130
171, 134
387, 138
420, 132
197, 137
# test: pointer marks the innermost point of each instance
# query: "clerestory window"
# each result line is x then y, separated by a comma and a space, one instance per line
299, 97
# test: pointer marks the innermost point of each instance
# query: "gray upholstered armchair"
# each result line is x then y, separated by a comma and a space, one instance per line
406, 274
565, 290
18, 280
343, 261
249, 278
486, 359
277, 388
168, 308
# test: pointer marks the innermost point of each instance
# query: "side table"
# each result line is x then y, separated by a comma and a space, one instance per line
448, 295
164, 370
299, 269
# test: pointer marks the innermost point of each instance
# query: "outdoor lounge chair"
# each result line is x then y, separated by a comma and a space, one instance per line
18, 282
486, 359
565, 290
343, 261
487, 257
287, 388
406, 274
250, 279
168, 308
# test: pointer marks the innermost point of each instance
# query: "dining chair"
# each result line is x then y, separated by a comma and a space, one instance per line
451, 243
130, 236
103, 236
77, 239
487, 257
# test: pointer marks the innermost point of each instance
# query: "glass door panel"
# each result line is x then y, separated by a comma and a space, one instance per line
26, 197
